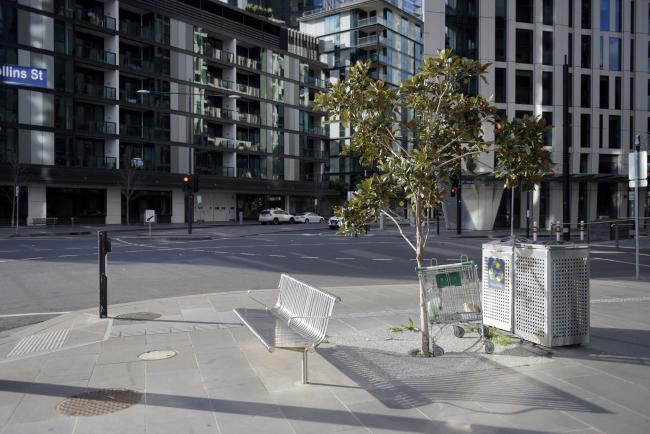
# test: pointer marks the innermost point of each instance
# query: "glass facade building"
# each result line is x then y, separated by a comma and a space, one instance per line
151, 90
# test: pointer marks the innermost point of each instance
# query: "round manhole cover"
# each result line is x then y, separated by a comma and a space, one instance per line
157, 355
98, 402
138, 316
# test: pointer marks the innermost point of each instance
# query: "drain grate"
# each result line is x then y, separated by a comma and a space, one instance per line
98, 402
136, 317
40, 342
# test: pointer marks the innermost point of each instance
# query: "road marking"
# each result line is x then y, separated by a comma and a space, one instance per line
32, 259
278, 256
43, 250
346, 259
248, 254
197, 250
9, 251
382, 259
67, 256
620, 262
620, 299
14, 315
221, 252
72, 248
309, 257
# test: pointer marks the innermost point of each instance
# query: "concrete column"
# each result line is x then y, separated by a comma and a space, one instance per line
113, 206
178, 206
36, 203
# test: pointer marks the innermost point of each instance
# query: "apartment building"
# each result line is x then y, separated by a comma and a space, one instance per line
606, 46
142, 92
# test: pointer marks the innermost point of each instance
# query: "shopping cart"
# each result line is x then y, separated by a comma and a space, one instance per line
453, 296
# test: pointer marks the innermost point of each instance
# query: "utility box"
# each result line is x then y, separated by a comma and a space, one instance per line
551, 294
497, 285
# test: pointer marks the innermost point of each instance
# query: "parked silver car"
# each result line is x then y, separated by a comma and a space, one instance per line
309, 217
275, 216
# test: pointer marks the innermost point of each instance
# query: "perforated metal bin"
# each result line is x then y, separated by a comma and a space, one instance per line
551, 296
497, 285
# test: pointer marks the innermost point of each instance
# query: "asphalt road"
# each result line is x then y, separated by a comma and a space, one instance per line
58, 274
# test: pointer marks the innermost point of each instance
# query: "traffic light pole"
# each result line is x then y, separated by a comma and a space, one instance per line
459, 203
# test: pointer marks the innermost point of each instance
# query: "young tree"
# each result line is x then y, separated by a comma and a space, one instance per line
130, 180
413, 159
17, 172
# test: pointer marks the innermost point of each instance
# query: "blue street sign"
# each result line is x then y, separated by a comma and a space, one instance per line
23, 75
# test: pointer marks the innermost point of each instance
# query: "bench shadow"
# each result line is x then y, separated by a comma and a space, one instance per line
405, 391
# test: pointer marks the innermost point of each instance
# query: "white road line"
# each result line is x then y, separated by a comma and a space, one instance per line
5, 260
43, 250
345, 259
32, 259
13, 315
221, 252
248, 254
309, 257
620, 262
73, 248
197, 250
67, 256
382, 259
277, 256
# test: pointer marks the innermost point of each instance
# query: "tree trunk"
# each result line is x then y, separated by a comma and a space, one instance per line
419, 256
127, 209
512, 213
13, 206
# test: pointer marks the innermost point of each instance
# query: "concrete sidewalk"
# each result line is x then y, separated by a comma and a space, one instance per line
223, 381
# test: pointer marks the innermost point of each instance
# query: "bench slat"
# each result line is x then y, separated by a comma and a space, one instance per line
272, 331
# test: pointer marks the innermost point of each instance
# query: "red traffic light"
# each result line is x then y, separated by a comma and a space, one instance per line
453, 191
186, 180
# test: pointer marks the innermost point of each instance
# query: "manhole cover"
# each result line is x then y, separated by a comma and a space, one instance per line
99, 402
138, 316
157, 355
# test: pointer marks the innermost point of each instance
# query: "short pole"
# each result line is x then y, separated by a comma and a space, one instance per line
305, 379
241, 217
615, 227
149, 228
535, 230
582, 230
381, 222
558, 231
102, 237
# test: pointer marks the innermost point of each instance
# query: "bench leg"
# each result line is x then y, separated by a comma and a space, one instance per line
304, 367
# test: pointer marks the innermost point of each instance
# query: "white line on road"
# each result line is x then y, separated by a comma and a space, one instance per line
278, 256
221, 252
620, 262
382, 259
248, 254
43, 250
13, 315
73, 248
309, 257
33, 259
67, 256
345, 259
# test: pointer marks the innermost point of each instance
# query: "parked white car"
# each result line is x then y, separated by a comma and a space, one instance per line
309, 217
275, 216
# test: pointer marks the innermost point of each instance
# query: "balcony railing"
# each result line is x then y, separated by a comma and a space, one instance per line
92, 53
248, 117
218, 113
150, 66
90, 17
152, 100
248, 90
96, 90
220, 83
247, 145
99, 127
218, 54
249, 63
146, 165
215, 171
219, 142
321, 131
313, 80
368, 40
249, 173
97, 162
145, 132
370, 21
311, 153
136, 30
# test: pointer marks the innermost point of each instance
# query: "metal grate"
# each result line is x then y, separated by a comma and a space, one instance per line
530, 298
497, 294
98, 402
40, 342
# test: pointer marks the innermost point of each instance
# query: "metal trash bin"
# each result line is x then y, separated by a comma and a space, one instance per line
497, 285
551, 296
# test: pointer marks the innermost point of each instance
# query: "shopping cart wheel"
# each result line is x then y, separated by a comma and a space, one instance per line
489, 347
438, 351
459, 332
485, 329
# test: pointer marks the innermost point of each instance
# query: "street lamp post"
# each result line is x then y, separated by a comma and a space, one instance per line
190, 194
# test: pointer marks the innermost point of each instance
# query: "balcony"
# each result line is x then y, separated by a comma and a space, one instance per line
220, 83
218, 54
248, 90
311, 153
90, 17
150, 100
97, 162
243, 172
146, 165
371, 21
249, 63
98, 91
248, 117
146, 132
320, 131
218, 113
136, 30
134, 63
215, 171
88, 52
219, 142
246, 145
98, 127
370, 40
313, 80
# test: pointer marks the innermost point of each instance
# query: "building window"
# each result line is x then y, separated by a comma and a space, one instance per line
631, 93
501, 30
547, 88
523, 87
631, 54
500, 87
601, 52
585, 49
585, 91
615, 54
547, 12
8, 24
8, 104
548, 135
570, 42
617, 15
547, 48
524, 48
617, 93
604, 15
604, 92
332, 24
600, 131
584, 163
585, 130
631, 139
524, 11
614, 132
570, 13
632, 16
586, 14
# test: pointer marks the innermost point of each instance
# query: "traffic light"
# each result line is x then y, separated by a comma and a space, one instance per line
454, 188
186, 183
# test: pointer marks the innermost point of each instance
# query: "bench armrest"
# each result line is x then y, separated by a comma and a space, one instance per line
256, 300
307, 317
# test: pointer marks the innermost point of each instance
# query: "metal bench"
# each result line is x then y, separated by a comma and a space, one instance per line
297, 322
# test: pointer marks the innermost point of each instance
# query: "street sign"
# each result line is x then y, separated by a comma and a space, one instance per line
642, 183
630, 195
643, 166
23, 75
17, 190
150, 216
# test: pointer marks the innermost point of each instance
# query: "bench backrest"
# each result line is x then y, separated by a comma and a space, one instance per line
309, 308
